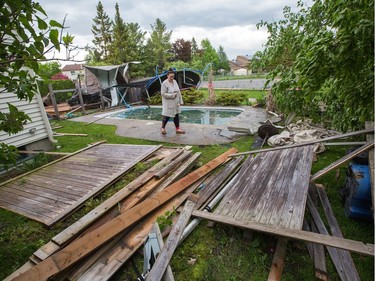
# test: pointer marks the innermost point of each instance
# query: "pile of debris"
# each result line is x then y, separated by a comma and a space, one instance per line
265, 193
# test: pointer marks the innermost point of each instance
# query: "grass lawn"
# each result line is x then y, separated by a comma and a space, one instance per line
219, 252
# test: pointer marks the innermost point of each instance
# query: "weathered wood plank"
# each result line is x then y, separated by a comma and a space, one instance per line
351, 245
110, 262
168, 274
81, 247
346, 258
157, 271
333, 252
342, 160
77, 227
278, 260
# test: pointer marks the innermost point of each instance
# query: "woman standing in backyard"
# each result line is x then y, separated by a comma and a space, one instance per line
171, 100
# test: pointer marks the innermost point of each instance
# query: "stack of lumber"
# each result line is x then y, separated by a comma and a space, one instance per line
99, 243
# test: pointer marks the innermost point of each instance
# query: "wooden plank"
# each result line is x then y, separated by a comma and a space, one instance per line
105, 252
320, 268
69, 134
173, 164
168, 274
157, 271
278, 260
81, 247
342, 243
77, 227
333, 252
319, 258
346, 258
350, 134
43, 152
110, 262
342, 160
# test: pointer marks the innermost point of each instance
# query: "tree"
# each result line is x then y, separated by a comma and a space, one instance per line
158, 47
223, 59
209, 54
324, 55
182, 50
25, 38
117, 51
47, 70
136, 48
194, 47
101, 29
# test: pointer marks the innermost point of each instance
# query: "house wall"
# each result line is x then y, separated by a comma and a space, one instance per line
40, 124
73, 75
241, 71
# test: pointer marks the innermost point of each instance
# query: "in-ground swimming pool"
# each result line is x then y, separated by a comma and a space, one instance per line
195, 115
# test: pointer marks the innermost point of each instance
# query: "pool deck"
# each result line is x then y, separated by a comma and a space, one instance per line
196, 134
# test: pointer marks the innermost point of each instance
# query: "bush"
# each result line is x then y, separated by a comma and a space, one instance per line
189, 96
192, 96
230, 98
155, 99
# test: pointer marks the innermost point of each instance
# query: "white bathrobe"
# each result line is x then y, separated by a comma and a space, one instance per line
171, 98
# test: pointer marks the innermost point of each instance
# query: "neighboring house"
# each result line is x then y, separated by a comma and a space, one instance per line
240, 66
72, 71
37, 134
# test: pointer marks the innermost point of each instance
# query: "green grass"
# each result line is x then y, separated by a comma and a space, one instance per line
220, 253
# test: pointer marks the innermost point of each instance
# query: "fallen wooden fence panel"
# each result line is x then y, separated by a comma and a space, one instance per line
50, 194
82, 247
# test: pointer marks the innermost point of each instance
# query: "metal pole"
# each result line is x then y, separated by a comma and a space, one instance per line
53, 99
78, 85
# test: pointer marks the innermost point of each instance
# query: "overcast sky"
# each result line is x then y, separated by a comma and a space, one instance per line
231, 24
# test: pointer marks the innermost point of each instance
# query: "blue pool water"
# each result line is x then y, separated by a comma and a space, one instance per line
205, 116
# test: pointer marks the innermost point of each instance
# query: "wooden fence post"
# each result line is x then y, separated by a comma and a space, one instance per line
53, 99
78, 88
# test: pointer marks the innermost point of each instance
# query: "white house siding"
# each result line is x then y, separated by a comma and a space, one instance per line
32, 109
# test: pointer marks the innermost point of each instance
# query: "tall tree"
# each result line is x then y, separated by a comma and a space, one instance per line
102, 29
209, 54
117, 50
182, 50
194, 47
324, 55
158, 47
223, 59
135, 45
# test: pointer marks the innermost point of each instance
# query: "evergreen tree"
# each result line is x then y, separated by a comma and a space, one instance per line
135, 48
223, 59
158, 47
194, 47
117, 50
102, 32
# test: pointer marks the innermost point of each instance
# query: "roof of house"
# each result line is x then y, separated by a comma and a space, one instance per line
72, 67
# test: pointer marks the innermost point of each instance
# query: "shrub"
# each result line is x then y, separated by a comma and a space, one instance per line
192, 96
155, 99
230, 98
